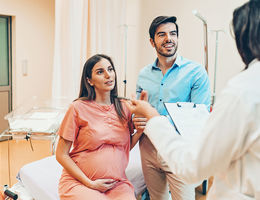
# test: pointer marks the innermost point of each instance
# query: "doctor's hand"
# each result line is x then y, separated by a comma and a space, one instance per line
103, 185
142, 108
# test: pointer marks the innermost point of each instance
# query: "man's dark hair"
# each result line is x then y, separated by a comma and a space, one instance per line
246, 27
161, 20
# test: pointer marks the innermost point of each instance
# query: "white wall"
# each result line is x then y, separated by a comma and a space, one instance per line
134, 14
33, 40
218, 14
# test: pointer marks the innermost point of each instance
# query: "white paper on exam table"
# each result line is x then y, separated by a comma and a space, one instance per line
188, 118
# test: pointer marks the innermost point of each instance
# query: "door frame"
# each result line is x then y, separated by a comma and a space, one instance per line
9, 87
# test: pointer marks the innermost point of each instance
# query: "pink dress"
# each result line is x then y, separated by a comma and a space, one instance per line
101, 146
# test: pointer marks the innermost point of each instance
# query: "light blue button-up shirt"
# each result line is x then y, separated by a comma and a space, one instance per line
185, 81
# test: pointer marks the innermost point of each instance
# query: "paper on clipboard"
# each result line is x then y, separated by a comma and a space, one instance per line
188, 118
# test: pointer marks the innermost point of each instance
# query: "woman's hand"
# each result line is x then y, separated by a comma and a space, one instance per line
103, 185
62, 155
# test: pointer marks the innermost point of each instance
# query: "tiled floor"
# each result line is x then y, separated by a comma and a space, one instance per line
199, 195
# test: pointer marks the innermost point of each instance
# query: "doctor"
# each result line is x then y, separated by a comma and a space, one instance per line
229, 146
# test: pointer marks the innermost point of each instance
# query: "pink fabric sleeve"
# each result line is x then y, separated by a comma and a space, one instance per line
69, 126
130, 124
128, 115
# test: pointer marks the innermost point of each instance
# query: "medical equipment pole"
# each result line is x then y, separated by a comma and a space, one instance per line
215, 66
197, 14
125, 65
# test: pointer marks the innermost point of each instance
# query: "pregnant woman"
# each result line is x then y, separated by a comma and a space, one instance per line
98, 127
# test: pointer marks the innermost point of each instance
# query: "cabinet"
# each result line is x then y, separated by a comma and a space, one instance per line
16, 153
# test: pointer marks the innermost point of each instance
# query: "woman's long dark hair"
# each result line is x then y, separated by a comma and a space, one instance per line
87, 92
246, 27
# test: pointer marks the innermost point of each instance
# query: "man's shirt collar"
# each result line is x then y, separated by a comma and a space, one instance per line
177, 63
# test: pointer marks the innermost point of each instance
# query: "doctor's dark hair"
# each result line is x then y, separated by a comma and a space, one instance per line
87, 92
246, 27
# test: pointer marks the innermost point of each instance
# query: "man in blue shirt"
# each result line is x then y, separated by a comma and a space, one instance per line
171, 78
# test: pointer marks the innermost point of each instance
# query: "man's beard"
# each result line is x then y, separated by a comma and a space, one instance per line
159, 51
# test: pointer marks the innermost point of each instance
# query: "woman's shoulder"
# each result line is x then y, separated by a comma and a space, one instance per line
80, 104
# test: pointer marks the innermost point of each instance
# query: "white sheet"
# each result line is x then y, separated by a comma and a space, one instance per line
134, 170
41, 178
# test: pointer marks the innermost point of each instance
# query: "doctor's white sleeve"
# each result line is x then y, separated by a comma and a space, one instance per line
219, 143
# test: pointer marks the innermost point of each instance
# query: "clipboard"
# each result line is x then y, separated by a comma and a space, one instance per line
188, 118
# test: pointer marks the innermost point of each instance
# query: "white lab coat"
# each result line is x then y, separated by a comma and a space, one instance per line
228, 148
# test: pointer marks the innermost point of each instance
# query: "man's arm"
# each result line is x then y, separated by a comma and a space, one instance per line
200, 91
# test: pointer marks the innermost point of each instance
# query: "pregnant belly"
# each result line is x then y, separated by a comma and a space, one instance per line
106, 162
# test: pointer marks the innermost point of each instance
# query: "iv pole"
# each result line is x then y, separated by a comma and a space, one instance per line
125, 64
125, 26
197, 14
215, 66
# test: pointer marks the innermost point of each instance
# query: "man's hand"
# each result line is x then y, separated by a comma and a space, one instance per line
140, 123
144, 95
138, 120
